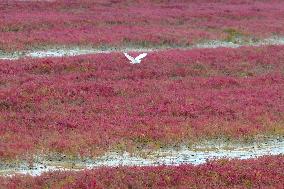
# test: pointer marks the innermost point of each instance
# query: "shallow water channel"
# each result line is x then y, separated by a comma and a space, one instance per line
74, 51
195, 154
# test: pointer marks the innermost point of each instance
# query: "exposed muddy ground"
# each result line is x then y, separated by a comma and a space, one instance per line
195, 154
73, 51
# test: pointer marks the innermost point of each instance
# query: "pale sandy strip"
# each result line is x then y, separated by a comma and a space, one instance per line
60, 52
197, 154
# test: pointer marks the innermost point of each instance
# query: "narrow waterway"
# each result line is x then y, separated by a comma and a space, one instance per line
196, 154
74, 51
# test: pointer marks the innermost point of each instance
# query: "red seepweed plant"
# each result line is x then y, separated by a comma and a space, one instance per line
86, 105
30, 24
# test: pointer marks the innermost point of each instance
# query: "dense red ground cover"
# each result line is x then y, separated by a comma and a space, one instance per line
89, 104
265, 172
28, 24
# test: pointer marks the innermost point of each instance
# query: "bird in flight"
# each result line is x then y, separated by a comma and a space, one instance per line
136, 60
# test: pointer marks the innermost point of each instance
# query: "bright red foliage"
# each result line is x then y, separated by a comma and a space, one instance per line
28, 24
89, 104
265, 172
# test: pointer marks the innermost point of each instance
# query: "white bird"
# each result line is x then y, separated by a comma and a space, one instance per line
137, 59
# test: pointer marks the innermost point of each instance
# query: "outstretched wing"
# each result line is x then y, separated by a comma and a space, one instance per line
129, 57
138, 58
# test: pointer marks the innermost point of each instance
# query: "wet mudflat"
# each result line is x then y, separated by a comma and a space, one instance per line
75, 51
195, 154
